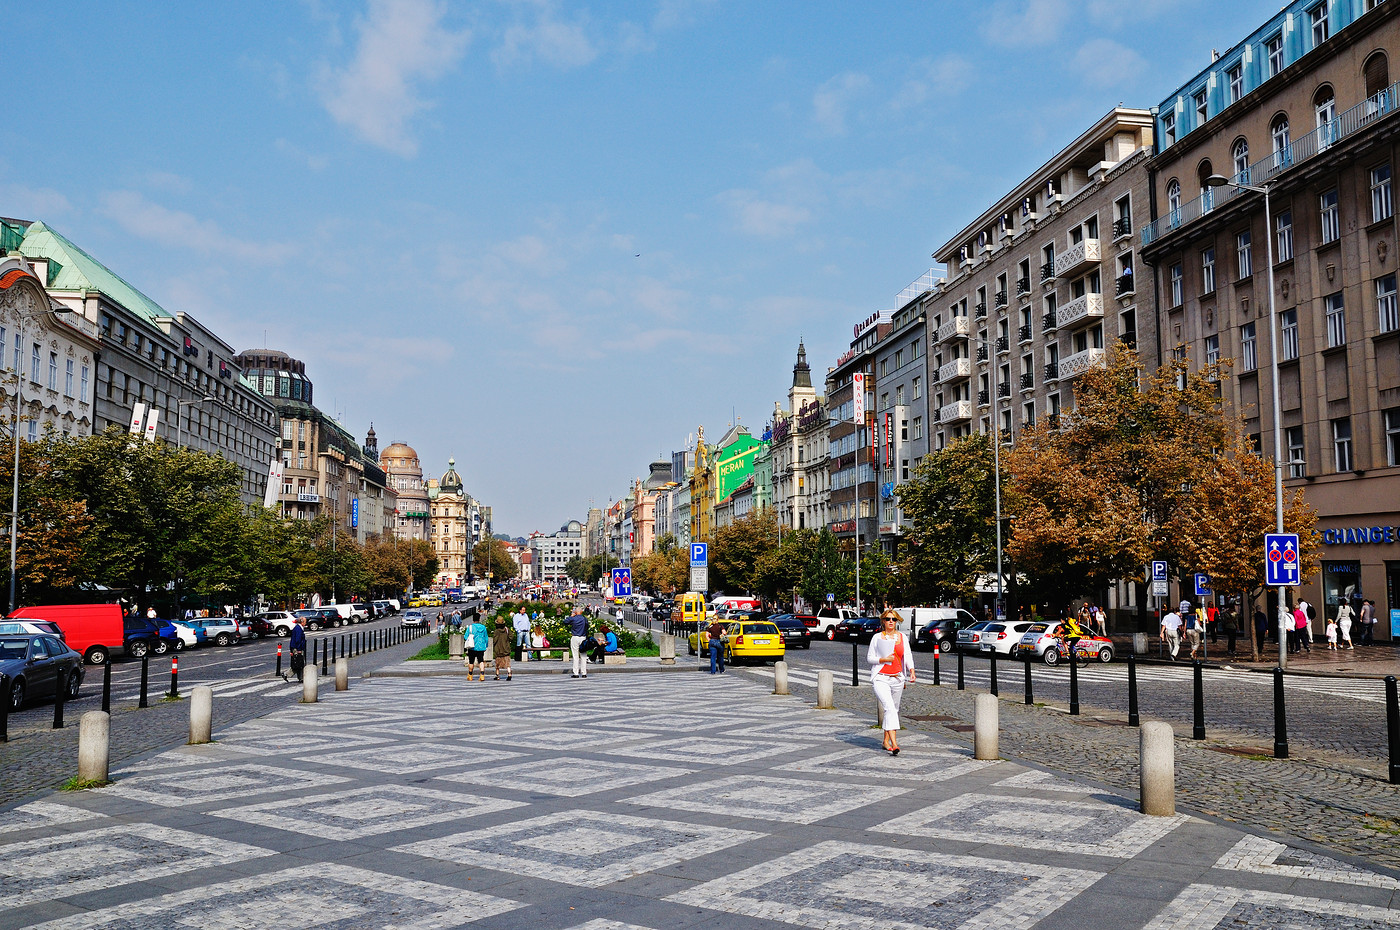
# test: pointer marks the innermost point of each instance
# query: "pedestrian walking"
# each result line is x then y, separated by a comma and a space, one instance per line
500, 645
521, 623
476, 637
1331, 633
1171, 633
1193, 631
1344, 617
891, 665
715, 632
1261, 626
1302, 626
578, 632
298, 648
1230, 623
1368, 623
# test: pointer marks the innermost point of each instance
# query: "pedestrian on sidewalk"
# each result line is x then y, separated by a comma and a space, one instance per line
1171, 633
1261, 625
1230, 623
521, 623
1193, 631
578, 632
500, 645
1368, 623
1344, 616
476, 637
298, 648
1331, 633
891, 665
1302, 626
715, 633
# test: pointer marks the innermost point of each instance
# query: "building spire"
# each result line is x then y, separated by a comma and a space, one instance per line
801, 372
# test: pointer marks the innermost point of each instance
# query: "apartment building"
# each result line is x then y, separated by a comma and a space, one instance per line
798, 452
851, 513
1304, 107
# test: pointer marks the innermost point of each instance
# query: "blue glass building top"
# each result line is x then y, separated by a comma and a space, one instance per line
1289, 35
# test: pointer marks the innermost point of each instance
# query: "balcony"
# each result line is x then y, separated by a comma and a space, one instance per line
1047, 271
957, 369
1090, 306
1003, 344
1082, 253
984, 398
981, 311
1124, 285
981, 353
999, 299
1027, 381
1122, 228
1080, 362
1024, 333
959, 327
955, 412
1052, 371
1004, 389
1047, 322
1023, 286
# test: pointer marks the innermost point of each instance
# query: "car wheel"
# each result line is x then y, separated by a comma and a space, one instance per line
283, 631
945, 647
75, 683
179, 645
138, 648
340, 623
1052, 657
160, 647
17, 695
831, 634
1106, 654
97, 655
223, 639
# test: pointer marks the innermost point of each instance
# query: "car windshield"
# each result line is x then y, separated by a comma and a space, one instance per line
759, 628
14, 648
1038, 628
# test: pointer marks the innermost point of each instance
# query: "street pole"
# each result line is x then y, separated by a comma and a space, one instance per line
14, 500
996, 473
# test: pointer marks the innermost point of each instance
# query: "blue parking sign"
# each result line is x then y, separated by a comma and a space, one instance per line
1202, 584
699, 553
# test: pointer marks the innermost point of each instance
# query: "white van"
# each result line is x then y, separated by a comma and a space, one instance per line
350, 613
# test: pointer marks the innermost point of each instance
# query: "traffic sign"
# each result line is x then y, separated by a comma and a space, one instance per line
700, 578
1202, 584
699, 553
1159, 571
1159, 589
1281, 559
622, 582
831, 598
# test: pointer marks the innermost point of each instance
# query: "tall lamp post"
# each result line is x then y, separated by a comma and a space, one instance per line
1219, 180
996, 466
14, 498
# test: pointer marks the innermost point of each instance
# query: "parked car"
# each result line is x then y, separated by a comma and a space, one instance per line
186, 630
1001, 635
828, 618
279, 621
187, 638
858, 630
970, 637
43, 627
141, 636
941, 634
314, 618
37, 665
221, 631
384, 608
753, 639
795, 632
94, 630
413, 617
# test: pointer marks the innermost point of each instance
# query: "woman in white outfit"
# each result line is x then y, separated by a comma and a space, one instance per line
891, 665
1344, 617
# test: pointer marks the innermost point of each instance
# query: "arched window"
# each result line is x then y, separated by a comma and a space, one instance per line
1239, 154
1174, 201
1278, 130
1203, 171
1379, 99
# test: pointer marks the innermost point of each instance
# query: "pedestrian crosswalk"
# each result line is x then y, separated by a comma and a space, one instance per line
236, 687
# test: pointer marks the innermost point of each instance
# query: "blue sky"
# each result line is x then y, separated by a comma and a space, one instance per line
552, 238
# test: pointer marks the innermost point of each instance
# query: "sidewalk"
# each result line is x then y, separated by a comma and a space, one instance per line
1376, 661
633, 801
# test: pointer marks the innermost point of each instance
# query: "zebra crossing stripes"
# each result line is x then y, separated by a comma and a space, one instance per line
275, 687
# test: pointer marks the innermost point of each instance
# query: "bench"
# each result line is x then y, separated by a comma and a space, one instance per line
619, 658
539, 652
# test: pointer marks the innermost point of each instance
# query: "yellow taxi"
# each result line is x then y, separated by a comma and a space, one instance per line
760, 640
416, 602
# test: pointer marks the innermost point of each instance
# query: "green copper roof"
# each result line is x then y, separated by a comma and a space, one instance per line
79, 271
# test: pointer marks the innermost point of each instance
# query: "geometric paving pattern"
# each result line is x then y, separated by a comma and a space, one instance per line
862, 763
714, 750
43, 814
568, 777
761, 797
1084, 827
1037, 780
74, 863
180, 788
281, 742
851, 886
362, 812
1207, 907
1256, 854
581, 847
416, 757
339, 898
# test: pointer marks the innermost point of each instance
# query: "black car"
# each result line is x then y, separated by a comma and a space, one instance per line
795, 632
939, 634
859, 630
36, 666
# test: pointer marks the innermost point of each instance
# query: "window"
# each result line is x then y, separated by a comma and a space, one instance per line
918, 387
1169, 128
83, 385
1174, 199
1289, 319
1244, 254
1201, 111
884, 367
1278, 133
1208, 271
1392, 436
1328, 217
1336, 320
918, 427
1325, 108
1235, 76
899, 396
1273, 52
1386, 309
1297, 455
1283, 228
1240, 155
1249, 348
1318, 17
1341, 444
33, 430
1212, 350
899, 359
1382, 207
53, 371
68, 379
34, 364
1176, 284
2, 348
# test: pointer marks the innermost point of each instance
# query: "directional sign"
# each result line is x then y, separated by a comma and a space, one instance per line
622, 582
1281, 559
1202, 584
699, 553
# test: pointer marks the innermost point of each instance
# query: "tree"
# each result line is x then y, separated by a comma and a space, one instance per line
779, 571
951, 508
826, 571
875, 576
662, 572
53, 531
491, 555
736, 550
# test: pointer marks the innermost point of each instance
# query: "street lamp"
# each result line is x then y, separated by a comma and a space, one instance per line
996, 463
1219, 180
14, 499
180, 423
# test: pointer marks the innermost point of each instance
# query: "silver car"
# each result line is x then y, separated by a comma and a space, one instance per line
970, 638
1037, 642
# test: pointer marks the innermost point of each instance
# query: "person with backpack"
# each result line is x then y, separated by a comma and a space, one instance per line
1192, 623
477, 637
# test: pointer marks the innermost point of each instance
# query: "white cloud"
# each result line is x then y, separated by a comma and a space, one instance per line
833, 100
1107, 63
297, 153
931, 77
31, 203
402, 43
547, 39
759, 216
175, 228
1023, 23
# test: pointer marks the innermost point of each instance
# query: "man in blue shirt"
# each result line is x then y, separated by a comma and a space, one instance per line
298, 647
578, 632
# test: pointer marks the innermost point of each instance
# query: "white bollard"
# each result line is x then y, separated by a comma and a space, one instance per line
986, 728
454, 645
780, 683
1157, 748
342, 674
826, 690
666, 643
308, 685
94, 733
201, 715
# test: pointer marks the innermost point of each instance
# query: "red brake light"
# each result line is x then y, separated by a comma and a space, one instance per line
739, 640
1001, 635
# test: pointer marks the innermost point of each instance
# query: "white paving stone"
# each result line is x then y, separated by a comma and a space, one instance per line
1259, 855
407, 758
712, 750
761, 797
1210, 907
363, 812
925, 765
182, 788
569, 776
43, 814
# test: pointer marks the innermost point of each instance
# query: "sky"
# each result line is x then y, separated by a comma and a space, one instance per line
551, 239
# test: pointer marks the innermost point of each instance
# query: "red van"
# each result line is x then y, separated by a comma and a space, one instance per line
94, 630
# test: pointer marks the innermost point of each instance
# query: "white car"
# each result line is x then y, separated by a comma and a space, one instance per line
1002, 635
188, 638
413, 617
281, 622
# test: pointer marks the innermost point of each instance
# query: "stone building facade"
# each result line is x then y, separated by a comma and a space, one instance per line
404, 474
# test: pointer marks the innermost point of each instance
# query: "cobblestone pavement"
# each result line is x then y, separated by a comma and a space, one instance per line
556, 804
39, 757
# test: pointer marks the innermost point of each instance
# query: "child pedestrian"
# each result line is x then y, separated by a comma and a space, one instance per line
1331, 633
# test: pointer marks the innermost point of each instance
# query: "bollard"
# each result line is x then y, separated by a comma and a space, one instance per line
94, 734
1030, 694
960, 671
985, 728
666, 651
325, 664
337, 649
1132, 691
201, 714
993, 672
60, 691
308, 684
1073, 681
145, 670
4, 708
826, 690
278, 670
780, 682
1392, 725
174, 677
937, 678
1139, 644
342, 674
1158, 778
1198, 702
106, 687
1281, 721
454, 645
855, 668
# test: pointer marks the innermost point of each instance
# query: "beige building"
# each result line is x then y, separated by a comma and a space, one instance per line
450, 529
798, 452
404, 474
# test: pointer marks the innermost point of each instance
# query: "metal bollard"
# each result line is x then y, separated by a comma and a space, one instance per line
342, 674
106, 687
1073, 683
937, 678
993, 672
201, 715
961, 683
325, 662
1157, 782
278, 670
780, 681
826, 690
60, 692
985, 727
1030, 693
1198, 702
94, 736
4, 708
1281, 720
1392, 725
1133, 720
174, 677
145, 677
855, 668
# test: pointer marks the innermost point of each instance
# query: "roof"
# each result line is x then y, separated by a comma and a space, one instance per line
78, 271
